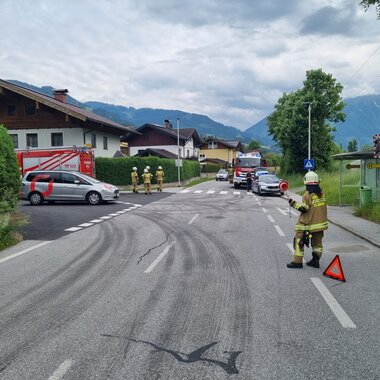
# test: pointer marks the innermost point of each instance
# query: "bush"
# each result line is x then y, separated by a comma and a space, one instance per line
118, 170
211, 168
9, 174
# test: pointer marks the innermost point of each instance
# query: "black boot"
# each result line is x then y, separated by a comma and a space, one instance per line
295, 265
314, 262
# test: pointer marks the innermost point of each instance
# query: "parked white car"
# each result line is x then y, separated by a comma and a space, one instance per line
42, 185
266, 183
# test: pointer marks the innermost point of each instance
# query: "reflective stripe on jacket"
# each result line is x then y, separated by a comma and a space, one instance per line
315, 217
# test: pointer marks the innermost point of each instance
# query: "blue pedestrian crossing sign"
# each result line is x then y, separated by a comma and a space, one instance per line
308, 164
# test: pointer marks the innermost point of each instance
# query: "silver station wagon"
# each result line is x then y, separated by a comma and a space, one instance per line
41, 185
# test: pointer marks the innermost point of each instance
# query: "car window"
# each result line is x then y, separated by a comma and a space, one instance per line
269, 179
41, 177
68, 178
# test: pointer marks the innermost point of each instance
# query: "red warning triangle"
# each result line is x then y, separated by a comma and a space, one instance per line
334, 270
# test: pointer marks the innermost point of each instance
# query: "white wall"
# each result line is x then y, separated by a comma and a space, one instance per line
71, 136
193, 152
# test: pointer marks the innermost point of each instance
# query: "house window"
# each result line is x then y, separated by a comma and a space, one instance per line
30, 109
93, 140
14, 138
57, 139
32, 140
212, 145
105, 143
11, 110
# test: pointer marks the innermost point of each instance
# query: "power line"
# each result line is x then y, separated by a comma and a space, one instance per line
363, 64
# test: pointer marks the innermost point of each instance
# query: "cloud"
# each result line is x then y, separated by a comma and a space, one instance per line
230, 60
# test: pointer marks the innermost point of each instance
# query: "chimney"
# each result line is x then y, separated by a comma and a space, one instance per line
168, 124
61, 95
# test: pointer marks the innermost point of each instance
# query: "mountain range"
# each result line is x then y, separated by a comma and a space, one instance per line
362, 120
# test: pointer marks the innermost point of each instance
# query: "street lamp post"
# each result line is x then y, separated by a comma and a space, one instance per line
309, 140
179, 168
309, 133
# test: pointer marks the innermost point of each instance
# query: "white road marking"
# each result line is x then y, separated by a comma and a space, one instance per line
198, 191
279, 230
132, 208
114, 214
193, 218
237, 192
159, 258
248, 193
24, 251
59, 373
271, 219
73, 229
185, 191
211, 192
294, 213
333, 304
85, 225
223, 192
283, 212
105, 217
120, 212
264, 209
137, 205
96, 221
259, 203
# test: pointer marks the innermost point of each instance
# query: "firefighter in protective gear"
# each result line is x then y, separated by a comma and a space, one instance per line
135, 180
231, 174
311, 223
147, 177
160, 175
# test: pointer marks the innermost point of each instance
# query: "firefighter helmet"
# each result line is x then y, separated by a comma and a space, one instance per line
134, 168
145, 170
160, 168
311, 178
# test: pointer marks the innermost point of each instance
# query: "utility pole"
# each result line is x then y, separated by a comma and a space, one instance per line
309, 140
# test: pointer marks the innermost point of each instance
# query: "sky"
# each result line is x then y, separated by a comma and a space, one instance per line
228, 59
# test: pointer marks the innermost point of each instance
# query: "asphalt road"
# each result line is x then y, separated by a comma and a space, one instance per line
51, 220
192, 286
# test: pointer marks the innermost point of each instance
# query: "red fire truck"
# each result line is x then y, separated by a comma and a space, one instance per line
75, 158
244, 163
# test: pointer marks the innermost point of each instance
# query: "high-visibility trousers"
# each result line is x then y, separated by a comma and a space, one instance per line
298, 245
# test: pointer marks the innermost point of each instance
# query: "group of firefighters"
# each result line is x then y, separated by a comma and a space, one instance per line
147, 179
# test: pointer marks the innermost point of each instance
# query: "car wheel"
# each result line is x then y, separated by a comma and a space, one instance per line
36, 199
236, 185
259, 191
94, 198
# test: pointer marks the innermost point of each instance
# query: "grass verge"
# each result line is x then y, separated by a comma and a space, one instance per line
198, 181
9, 234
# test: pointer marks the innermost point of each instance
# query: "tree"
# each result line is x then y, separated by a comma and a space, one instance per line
290, 120
9, 174
253, 145
352, 145
368, 3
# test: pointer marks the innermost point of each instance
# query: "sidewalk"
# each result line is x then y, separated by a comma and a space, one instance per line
344, 217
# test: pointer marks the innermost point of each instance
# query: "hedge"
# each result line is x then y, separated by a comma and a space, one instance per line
118, 170
9, 173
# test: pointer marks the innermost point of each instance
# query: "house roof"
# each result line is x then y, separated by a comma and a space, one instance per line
353, 156
156, 152
235, 144
167, 131
67, 108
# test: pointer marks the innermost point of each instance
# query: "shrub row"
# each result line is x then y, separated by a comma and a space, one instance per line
118, 170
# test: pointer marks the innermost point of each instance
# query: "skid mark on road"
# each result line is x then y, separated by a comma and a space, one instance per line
195, 356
